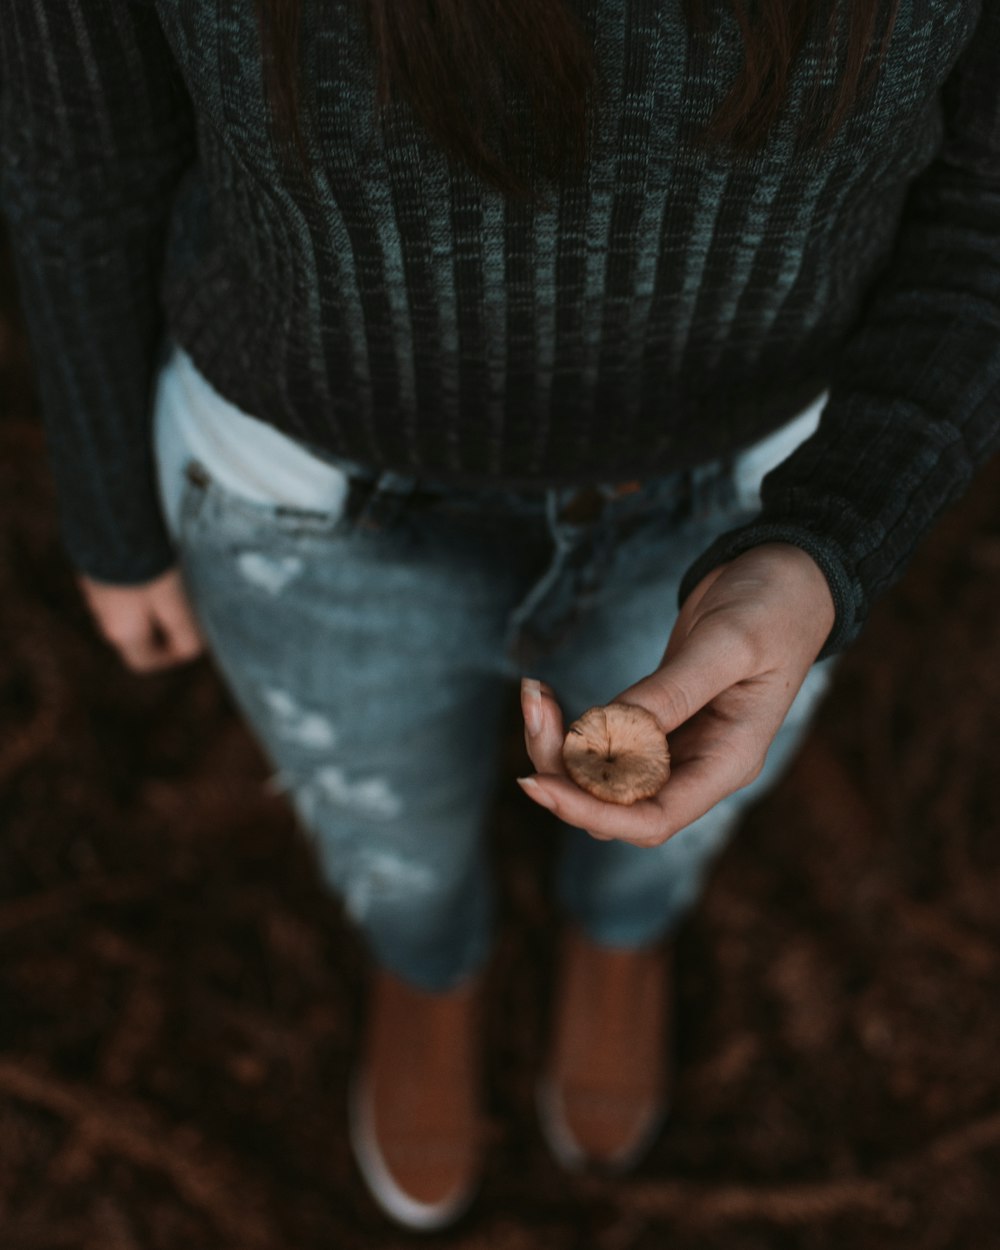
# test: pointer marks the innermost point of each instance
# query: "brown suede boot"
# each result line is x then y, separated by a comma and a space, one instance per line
603, 1095
415, 1120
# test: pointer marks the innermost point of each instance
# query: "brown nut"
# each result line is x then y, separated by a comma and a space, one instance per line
617, 753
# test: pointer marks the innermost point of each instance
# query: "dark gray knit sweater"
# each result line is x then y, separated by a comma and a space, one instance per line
674, 306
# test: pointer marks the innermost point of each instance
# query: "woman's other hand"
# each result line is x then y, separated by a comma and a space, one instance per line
151, 626
740, 649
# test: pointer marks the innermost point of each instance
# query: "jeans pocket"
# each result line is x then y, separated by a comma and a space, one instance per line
208, 509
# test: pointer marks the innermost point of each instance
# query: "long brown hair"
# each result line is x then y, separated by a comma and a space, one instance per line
508, 86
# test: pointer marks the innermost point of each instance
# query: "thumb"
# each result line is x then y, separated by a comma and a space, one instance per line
696, 668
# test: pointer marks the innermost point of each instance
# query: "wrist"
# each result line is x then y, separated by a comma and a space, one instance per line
825, 553
801, 567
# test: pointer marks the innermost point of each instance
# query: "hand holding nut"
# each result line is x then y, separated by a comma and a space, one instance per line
618, 753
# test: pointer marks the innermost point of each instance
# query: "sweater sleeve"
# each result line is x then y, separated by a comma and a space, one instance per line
914, 402
96, 129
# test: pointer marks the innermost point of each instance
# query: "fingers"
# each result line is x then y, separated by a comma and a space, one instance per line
145, 648
696, 784
128, 626
151, 626
147, 655
182, 637
718, 751
543, 726
543, 737
720, 716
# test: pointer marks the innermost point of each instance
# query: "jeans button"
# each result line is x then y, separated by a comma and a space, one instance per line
586, 505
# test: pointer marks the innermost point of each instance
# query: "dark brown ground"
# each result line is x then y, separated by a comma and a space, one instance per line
178, 998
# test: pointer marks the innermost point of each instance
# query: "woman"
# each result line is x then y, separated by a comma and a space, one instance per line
395, 403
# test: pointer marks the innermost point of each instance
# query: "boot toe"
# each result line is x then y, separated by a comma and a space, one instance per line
603, 1094
421, 1183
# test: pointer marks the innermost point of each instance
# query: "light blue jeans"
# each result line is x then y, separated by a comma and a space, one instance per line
369, 646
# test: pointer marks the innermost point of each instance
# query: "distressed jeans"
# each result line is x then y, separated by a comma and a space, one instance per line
369, 647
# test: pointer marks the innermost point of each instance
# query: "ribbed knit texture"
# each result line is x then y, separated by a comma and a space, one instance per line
672, 306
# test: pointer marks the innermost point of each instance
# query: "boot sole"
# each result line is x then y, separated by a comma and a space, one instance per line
568, 1152
394, 1201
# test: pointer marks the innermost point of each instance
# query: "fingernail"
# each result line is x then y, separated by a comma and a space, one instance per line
532, 705
531, 787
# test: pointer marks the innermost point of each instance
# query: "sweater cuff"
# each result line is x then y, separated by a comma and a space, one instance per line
153, 559
848, 600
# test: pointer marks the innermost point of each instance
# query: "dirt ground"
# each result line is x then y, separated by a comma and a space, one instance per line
179, 997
